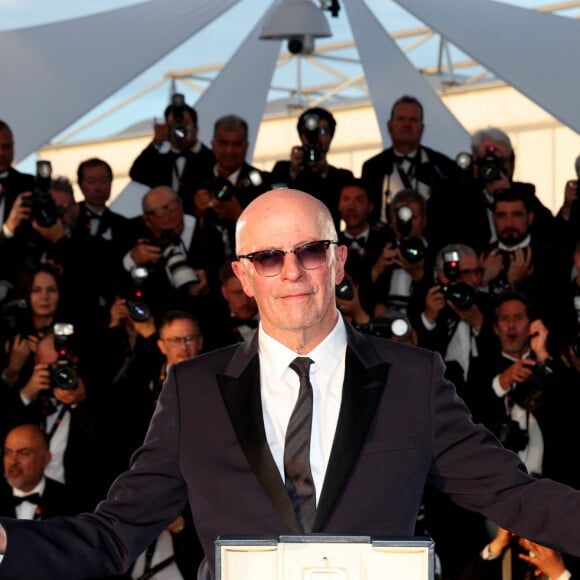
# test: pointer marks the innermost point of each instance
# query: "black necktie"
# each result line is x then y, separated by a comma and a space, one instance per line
299, 481
32, 498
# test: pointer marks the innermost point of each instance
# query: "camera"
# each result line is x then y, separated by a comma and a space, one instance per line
510, 434
312, 151
529, 395
490, 166
44, 210
138, 308
180, 272
412, 249
390, 324
345, 290
459, 294
64, 371
301, 44
178, 130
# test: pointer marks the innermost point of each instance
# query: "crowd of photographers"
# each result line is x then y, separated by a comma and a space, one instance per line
450, 255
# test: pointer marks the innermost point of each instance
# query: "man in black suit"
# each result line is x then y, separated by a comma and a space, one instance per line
383, 421
175, 157
12, 182
308, 168
410, 165
233, 184
25, 492
95, 177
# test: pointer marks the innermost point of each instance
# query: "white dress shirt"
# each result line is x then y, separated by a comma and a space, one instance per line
280, 385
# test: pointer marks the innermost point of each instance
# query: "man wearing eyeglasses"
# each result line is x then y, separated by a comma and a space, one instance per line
381, 421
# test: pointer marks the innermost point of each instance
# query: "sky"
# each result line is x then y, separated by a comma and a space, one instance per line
216, 43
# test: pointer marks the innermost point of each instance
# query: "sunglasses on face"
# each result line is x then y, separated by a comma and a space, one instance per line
310, 256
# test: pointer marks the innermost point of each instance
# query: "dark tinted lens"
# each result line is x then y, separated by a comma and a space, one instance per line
269, 262
311, 256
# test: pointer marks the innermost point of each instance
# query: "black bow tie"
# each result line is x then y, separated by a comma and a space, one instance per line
360, 241
251, 323
401, 158
32, 498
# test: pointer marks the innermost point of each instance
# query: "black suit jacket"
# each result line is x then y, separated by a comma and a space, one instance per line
153, 168
12, 185
400, 423
440, 173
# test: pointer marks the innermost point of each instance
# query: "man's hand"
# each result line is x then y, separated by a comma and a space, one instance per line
228, 209
144, 252
473, 315
38, 382
296, 160
570, 196
53, 233
161, 133
501, 541
71, 396
546, 560
19, 353
494, 186
520, 264
199, 287
176, 526
492, 265
20, 211
118, 312
538, 340
434, 303
519, 372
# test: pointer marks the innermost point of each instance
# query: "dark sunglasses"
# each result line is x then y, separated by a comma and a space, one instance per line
310, 256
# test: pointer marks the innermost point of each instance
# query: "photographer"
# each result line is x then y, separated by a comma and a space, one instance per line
491, 171
57, 399
406, 256
12, 182
233, 183
308, 169
454, 318
175, 157
170, 247
47, 235
523, 261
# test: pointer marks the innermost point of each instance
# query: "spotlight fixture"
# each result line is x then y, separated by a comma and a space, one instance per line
299, 22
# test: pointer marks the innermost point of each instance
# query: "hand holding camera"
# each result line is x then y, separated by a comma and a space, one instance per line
145, 252
520, 265
520, 371
38, 382
20, 211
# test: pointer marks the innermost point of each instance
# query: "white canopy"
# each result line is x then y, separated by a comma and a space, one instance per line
56, 73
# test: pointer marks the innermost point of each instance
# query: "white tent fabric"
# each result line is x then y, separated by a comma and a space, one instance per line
389, 75
55, 73
535, 52
241, 87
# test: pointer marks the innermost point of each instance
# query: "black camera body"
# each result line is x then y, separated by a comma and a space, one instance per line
390, 324
178, 130
510, 434
458, 293
345, 290
64, 371
44, 210
313, 154
412, 249
490, 166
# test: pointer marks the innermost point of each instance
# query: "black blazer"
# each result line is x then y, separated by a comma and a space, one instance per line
400, 423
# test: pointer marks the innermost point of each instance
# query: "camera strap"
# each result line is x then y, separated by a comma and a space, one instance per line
49, 434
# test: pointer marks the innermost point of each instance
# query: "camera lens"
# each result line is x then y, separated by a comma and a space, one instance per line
64, 376
139, 311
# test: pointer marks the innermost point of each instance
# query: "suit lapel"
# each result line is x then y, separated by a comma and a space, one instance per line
240, 389
364, 383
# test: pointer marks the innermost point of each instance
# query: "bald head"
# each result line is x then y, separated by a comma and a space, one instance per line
289, 204
26, 456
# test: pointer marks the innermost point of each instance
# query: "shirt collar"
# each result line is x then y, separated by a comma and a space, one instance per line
523, 244
278, 356
39, 489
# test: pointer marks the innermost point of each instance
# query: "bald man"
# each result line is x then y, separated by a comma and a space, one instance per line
383, 421
26, 493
